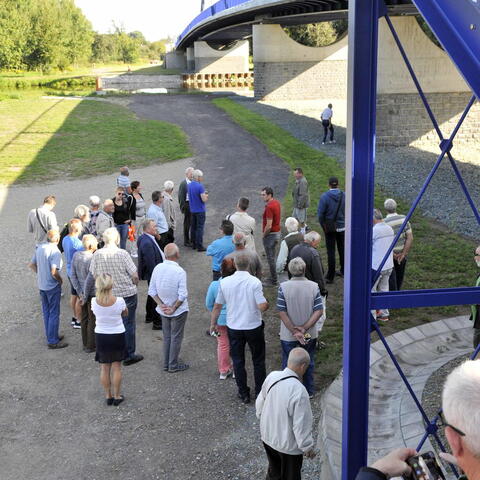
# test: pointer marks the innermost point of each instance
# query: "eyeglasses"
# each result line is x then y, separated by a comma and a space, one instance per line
443, 423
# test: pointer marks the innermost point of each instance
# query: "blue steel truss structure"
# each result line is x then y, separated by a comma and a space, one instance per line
457, 26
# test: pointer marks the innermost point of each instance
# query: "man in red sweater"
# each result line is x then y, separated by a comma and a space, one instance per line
271, 231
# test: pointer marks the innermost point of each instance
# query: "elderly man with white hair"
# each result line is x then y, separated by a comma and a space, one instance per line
94, 202
292, 238
169, 209
168, 287
286, 419
198, 198
460, 400
403, 245
119, 265
307, 251
299, 305
105, 220
184, 202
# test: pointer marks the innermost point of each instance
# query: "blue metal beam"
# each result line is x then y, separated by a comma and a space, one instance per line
362, 95
456, 24
425, 298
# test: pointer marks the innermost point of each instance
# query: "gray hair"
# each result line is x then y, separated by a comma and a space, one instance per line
242, 261
377, 214
146, 223
107, 201
297, 267
171, 251
390, 205
82, 212
239, 239
291, 224
298, 357
312, 237
197, 174
94, 201
111, 236
168, 186
188, 170
460, 400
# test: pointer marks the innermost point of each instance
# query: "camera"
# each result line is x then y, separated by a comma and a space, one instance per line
424, 467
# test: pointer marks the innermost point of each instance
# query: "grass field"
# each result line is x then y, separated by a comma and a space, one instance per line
439, 258
45, 138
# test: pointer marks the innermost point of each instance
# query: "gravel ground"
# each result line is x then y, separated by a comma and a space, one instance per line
400, 171
53, 421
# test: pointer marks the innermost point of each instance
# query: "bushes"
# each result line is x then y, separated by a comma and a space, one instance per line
68, 83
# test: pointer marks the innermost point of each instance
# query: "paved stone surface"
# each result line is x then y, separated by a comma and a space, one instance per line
53, 422
395, 420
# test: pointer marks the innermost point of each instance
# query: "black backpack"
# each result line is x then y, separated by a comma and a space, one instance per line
63, 234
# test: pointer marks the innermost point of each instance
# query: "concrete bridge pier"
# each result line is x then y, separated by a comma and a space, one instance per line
176, 59
288, 71
211, 60
190, 59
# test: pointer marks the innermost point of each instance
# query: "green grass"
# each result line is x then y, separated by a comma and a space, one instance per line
439, 258
41, 139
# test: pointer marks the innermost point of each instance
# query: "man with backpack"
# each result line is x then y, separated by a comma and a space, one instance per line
331, 216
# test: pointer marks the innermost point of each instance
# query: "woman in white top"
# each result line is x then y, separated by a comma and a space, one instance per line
109, 337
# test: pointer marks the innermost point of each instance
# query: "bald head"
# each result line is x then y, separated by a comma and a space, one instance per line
171, 252
239, 239
298, 359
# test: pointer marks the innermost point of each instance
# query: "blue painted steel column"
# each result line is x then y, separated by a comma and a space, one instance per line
362, 86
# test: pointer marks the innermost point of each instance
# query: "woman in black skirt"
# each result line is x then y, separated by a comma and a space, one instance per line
109, 337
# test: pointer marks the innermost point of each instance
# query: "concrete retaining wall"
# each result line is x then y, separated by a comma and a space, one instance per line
134, 82
210, 60
176, 59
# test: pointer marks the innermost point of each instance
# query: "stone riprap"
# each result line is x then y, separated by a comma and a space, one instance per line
134, 82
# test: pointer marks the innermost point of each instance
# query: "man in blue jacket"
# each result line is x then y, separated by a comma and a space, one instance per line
331, 216
149, 256
221, 247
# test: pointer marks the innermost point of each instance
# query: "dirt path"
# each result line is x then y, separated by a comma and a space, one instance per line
53, 422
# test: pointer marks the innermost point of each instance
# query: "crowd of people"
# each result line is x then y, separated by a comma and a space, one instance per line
110, 246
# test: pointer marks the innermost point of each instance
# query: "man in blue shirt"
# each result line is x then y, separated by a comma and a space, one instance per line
155, 212
220, 248
47, 263
198, 196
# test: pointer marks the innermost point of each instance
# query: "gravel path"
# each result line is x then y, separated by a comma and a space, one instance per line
53, 422
400, 171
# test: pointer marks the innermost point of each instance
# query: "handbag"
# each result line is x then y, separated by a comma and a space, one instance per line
131, 232
330, 226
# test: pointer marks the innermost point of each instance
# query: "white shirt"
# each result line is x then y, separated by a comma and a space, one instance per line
109, 319
242, 293
244, 223
283, 253
285, 414
382, 239
169, 283
327, 114
187, 198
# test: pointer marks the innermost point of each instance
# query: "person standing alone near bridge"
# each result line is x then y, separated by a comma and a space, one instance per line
326, 118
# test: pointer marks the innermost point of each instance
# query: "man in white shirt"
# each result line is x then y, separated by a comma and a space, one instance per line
42, 219
326, 118
382, 238
244, 223
286, 419
168, 287
243, 295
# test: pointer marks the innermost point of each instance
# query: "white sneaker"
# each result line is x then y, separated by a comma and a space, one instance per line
323, 143
224, 376
134, 255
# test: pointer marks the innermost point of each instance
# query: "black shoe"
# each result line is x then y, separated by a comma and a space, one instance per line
245, 398
61, 337
156, 327
109, 401
88, 350
187, 244
148, 320
193, 246
328, 281
118, 401
132, 360
53, 346
201, 249
181, 367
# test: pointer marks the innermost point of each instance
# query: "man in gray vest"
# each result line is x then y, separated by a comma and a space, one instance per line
301, 198
300, 307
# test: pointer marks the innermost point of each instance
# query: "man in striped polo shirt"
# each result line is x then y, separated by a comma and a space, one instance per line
403, 245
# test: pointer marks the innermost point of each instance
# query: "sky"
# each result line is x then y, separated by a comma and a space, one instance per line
156, 19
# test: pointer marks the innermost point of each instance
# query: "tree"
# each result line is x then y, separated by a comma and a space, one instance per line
318, 34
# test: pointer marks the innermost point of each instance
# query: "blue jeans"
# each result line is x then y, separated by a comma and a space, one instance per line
51, 312
130, 326
198, 222
310, 348
270, 243
123, 232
